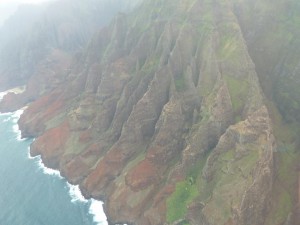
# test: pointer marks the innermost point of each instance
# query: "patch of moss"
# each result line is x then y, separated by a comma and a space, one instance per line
178, 201
185, 192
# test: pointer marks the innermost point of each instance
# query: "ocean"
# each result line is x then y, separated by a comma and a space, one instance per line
30, 193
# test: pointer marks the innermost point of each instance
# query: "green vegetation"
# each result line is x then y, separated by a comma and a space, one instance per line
286, 177
206, 188
185, 192
150, 66
238, 90
246, 164
287, 97
180, 84
283, 206
177, 203
229, 47
283, 188
184, 223
230, 175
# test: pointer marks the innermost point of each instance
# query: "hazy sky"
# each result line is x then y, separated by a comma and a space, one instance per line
8, 7
6, 2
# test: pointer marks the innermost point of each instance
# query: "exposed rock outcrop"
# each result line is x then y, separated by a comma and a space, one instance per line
162, 116
37, 51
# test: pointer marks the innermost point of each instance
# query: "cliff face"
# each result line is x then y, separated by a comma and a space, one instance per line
163, 117
38, 42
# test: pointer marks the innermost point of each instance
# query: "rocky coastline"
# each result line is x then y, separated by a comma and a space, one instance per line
167, 118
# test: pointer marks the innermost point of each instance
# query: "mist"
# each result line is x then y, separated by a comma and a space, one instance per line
8, 7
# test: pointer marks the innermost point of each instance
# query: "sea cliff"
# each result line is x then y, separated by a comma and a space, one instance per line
168, 114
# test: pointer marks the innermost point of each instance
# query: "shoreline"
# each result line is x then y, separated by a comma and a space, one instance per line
95, 206
15, 90
96, 209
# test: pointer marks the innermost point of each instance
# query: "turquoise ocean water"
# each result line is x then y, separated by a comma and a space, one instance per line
31, 194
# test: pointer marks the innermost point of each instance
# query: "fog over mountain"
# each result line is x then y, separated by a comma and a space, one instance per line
8, 7
178, 112
34, 31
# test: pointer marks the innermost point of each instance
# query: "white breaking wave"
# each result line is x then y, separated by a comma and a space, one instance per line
96, 209
6, 120
2, 94
28, 153
18, 132
75, 193
15, 116
47, 170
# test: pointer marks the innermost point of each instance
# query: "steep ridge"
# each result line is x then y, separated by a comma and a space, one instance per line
271, 32
11, 40
162, 116
273, 45
37, 52
180, 112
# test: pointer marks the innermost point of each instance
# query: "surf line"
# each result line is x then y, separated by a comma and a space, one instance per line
95, 206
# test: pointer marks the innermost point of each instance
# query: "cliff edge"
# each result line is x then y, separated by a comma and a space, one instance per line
166, 115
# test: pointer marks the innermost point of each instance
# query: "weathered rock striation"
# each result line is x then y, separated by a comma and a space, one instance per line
163, 117
37, 51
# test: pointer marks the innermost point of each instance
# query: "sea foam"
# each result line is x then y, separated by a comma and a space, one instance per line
47, 170
95, 208
2, 94
75, 193
15, 116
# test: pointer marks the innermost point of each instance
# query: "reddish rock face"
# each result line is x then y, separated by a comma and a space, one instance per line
11, 101
33, 120
51, 145
49, 74
142, 176
143, 112
129, 125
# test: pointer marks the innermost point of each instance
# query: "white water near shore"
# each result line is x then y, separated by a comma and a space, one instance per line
95, 207
2, 94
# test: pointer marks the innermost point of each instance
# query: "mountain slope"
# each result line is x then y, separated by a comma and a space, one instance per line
43, 39
164, 115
